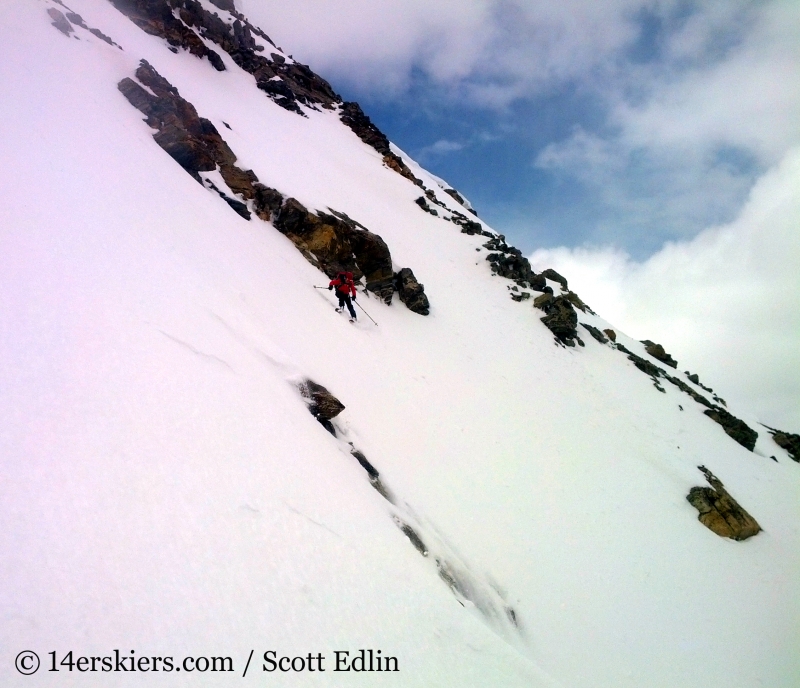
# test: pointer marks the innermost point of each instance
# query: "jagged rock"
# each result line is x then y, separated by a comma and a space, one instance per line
597, 334
680, 384
373, 257
281, 93
508, 261
338, 243
457, 197
241, 182
192, 141
657, 352
102, 36
267, 201
411, 292
611, 334
470, 226
422, 203
788, 441
575, 300
522, 296
555, 277
156, 18
76, 20
286, 83
365, 464
322, 404
561, 319
60, 21
327, 239
395, 162
642, 364
693, 377
238, 206
543, 300
719, 512
353, 116
735, 428
188, 151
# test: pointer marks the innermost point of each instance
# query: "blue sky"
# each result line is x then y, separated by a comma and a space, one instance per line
559, 119
648, 149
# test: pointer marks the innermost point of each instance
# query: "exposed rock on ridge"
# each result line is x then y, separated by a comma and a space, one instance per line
288, 83
156, 18
330, 242
735, 428
560, 317
719, 512
353, 116
786, 440
657, 352
65, 22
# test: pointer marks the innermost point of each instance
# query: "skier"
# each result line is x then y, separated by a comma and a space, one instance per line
344, 289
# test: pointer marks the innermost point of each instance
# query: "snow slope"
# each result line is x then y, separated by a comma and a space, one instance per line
164, 490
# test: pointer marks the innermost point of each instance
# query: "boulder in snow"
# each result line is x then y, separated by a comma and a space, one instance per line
719, 512
411, 292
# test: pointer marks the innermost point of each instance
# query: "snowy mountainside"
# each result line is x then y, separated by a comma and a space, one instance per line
165, 489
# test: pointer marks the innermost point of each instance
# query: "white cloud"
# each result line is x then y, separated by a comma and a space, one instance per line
726, 303
439, 148
688, 134
748, 99
492, 50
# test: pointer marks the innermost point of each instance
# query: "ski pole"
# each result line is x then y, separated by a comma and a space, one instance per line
365, 312
316, 287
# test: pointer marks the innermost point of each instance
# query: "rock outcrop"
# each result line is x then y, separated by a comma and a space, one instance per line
336, 243
157, 18
66, 21
576, 301
508, 261
331, 242
192, 141
553, 275
788, 441
60, 21
353, 116
187, 25
321, 403
561, 318
719, 512
411, 292
657, 352
734, 427
458, 198
596, 333
184, 24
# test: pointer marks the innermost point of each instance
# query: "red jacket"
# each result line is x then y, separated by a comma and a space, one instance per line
345, 286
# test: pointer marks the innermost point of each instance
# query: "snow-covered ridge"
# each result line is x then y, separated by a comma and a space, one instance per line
165, 489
